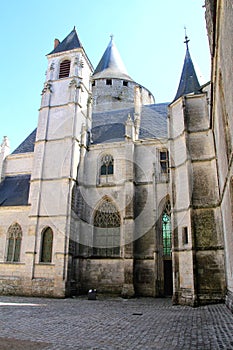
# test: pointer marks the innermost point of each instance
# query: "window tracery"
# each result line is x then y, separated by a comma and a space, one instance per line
14, 243
107, 165
107, 230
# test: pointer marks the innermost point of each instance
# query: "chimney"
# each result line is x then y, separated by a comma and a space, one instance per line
56, 43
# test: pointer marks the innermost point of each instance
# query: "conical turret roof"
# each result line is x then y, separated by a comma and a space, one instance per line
69, 43
111, 64
188, 82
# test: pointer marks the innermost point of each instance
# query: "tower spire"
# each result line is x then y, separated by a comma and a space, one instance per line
111, 64
188, 81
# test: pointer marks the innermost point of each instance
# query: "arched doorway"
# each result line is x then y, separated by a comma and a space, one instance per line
167, 250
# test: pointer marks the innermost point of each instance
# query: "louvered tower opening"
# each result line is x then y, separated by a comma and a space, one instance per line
64, 69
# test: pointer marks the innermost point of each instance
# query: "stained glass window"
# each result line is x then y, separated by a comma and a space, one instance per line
166, 230
107, 230
46, 246
14, 243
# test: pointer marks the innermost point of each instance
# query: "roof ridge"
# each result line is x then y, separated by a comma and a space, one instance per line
70, 42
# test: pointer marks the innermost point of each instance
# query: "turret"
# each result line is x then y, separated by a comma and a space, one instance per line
4, 151
197, 232
112, 87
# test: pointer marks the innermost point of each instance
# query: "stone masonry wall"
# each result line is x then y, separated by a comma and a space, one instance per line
219, 19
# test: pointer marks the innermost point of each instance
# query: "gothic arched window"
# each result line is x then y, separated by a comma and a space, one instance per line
107, 223
14, 236
46, 245
107, 165
166, 230
64, 71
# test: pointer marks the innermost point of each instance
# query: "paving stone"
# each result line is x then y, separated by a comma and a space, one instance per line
112, 324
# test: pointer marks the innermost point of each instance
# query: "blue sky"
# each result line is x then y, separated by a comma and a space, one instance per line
149, 35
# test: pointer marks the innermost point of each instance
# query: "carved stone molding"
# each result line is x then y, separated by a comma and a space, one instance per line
47, 88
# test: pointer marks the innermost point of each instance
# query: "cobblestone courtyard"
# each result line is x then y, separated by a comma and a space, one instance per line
111, 323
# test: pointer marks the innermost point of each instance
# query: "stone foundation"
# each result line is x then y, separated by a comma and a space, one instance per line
229, 300
40, 287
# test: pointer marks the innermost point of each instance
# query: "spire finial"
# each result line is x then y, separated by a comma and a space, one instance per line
111, 36
186, 38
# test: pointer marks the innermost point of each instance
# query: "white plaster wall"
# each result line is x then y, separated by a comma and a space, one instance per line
54, 196
16, 164
42, 124
182, 188
57, 159
145, 158
176, 125
180, 152
60, 122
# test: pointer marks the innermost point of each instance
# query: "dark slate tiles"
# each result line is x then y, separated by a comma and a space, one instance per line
27, 145
14, 190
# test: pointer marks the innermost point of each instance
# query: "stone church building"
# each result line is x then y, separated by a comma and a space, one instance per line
115, 192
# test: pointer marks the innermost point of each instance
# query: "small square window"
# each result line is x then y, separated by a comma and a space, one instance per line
93, 83
125, 83
108, 81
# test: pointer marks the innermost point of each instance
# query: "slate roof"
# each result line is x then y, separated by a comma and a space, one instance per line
109, 126
27, 145
69, 43
111, 65
14, 190
188, 82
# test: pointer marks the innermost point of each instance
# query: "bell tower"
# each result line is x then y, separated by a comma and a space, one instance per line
63, 115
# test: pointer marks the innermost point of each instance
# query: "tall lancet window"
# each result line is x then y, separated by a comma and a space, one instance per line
166, 231
106, 242
64, 71
46, 245
14, 235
